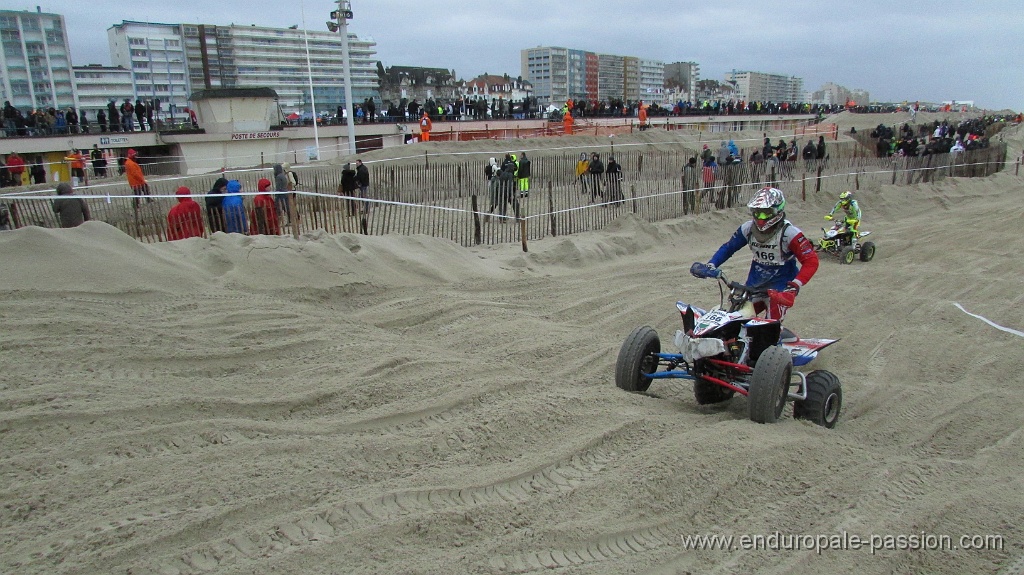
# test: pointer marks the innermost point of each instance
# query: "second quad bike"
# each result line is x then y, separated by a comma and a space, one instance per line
838, 241
729, 350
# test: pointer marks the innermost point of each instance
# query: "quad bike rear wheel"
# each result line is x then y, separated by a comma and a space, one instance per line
636, 359
769, 385
824, 399
867, 251
847, 255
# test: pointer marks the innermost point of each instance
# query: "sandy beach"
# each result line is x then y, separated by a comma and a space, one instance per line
348, 404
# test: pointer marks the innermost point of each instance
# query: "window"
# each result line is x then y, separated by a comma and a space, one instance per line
140, 65
30, 24
136, 41
10, 35
139, 53
55, 37
174, 43
7, 22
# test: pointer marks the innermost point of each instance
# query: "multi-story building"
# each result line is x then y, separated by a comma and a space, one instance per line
155, 54
684, 77
611, 77
96, 85
245, 56
831, 93
490, 86
417, 83
35, 60
558, 74
762, 87
651, 82
171, 61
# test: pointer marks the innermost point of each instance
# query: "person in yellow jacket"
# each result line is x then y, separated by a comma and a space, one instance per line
582, 167
425, 126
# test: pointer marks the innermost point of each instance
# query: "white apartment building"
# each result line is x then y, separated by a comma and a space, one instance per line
762, 87
155, 55
255, 56
171, 61
35, 61
651, 82
96, 85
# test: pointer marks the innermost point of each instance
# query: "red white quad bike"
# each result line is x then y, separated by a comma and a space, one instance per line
729, 350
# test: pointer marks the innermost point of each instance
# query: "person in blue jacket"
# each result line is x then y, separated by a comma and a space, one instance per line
235, 221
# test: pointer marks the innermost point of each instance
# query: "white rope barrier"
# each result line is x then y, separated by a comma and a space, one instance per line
991, 323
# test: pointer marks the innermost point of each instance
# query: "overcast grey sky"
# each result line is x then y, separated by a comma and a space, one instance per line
901, 50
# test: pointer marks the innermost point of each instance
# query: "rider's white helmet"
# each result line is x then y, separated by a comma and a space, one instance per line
768, 208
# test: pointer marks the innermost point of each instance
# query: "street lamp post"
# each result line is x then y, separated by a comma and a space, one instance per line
343, 14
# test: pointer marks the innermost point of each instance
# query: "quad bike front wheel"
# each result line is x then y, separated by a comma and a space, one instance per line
636, 359
824, 399
847, 255
769, 385
867, 251
706, 392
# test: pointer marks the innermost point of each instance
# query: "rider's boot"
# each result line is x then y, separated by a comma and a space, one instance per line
787, 336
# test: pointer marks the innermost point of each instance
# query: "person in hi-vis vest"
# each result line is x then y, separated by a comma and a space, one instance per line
425, 125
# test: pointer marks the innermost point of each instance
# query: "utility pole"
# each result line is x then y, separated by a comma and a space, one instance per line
342, 15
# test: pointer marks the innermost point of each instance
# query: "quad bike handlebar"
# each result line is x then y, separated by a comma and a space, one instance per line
738, 293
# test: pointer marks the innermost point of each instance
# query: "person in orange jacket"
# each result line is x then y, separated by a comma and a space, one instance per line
136, 179
567, 122
263, 215
77, 163
425, 126
185, 220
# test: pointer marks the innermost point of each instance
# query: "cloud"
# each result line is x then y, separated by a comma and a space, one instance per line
911, 50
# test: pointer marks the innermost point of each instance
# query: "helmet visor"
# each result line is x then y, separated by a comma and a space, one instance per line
765, 218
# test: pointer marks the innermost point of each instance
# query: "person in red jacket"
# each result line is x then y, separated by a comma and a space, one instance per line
263, 215
185, 220
16, 167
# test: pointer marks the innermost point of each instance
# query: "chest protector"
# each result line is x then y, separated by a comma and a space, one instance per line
768, 251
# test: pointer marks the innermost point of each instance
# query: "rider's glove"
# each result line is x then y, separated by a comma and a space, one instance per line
702, 270
787, 297
828, 217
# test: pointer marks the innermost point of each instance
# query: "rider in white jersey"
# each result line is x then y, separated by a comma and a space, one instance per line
784, 260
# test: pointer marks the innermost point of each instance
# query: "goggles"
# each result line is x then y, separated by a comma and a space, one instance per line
762, 214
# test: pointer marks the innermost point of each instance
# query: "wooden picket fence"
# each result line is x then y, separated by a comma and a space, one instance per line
451, 200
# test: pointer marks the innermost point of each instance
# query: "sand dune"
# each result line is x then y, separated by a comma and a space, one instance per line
350, 404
